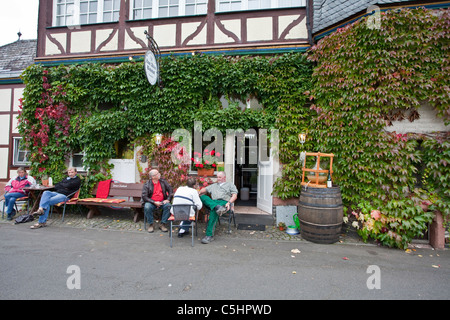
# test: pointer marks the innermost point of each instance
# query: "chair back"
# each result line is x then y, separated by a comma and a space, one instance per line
182, 211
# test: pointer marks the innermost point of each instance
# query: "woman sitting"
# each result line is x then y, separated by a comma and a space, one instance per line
14, 190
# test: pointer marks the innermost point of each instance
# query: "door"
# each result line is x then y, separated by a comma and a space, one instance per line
265, 173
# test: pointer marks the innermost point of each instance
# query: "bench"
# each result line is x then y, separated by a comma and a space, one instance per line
122, 195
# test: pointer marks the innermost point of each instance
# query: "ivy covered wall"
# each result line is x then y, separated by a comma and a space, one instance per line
91, 106
365, 78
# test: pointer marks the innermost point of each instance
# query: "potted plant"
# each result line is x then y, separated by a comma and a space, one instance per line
44, 180
282, 226
207, 164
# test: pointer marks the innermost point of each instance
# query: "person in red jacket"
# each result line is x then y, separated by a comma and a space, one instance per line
14, 190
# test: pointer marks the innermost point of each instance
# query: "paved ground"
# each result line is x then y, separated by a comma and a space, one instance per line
117, 259
122, 220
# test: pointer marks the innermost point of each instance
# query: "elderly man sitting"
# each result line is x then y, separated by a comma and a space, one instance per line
156, 193
223, 193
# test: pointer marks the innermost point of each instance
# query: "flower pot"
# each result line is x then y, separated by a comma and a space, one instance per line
205, 172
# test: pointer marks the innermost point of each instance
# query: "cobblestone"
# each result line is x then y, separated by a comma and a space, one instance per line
122, 220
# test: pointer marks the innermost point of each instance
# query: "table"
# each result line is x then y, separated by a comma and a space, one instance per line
35, 194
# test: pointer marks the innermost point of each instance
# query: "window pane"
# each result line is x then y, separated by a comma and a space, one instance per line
173, 11
163, 12
93, 6
202, 8
116, 16
147, 3
83, 7
107, 17
147, 13
137, 14
107, 6
77, 161
190, 9
93, 18
138, 3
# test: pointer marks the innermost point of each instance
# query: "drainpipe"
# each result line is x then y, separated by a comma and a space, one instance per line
308, 22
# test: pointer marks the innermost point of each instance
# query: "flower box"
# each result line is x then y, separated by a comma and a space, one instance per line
205, 172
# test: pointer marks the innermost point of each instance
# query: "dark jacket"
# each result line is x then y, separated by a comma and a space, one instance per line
147, 191
68, 186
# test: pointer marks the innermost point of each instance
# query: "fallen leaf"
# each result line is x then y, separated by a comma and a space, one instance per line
295, 251
294, 272
436, 266
344, 258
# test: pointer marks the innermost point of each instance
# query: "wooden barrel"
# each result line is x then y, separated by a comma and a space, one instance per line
320, 212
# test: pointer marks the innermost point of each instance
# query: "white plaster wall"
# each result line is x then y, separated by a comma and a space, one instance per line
18, 94
5, 99
299, 31
102, 35
4, 153
4, 128
189, 28
233, 26
138, 33
80, 41
427, 123
259, 29
164, 35
51, 48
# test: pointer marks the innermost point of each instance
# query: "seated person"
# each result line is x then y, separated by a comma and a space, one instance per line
222, 195
63, 189
187, 195
156, 193
14, 190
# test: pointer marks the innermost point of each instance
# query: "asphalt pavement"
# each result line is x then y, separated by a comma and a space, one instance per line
97, 259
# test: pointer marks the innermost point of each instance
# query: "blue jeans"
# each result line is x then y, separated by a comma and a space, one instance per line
150, 207
48, 199
10, 200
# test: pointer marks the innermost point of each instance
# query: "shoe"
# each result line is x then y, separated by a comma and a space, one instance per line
220, 210
38, 225
150, 229
182, 234
207, 239
39, 212
163, 228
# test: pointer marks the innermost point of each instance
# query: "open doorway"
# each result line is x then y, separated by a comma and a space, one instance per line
246, 169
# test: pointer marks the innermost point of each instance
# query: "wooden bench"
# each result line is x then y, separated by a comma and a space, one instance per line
129, 192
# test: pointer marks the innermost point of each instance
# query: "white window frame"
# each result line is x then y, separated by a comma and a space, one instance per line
157, 5
72, 14
244, 5
17, 152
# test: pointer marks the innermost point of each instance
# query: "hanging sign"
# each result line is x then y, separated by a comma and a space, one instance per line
151, 67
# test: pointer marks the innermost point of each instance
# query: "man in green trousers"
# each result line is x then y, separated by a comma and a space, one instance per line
223, 194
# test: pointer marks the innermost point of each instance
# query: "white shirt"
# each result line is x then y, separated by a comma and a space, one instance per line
187, 196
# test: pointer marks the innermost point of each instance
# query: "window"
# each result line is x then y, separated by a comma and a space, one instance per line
241, 5
21, 155
77, 161
151, 9
196, 7
78, 12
